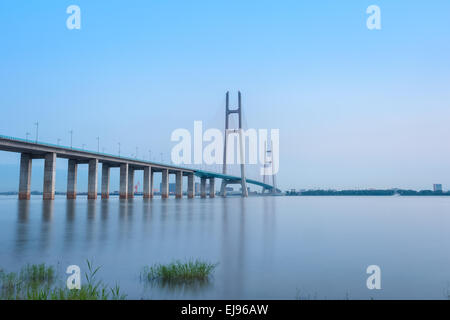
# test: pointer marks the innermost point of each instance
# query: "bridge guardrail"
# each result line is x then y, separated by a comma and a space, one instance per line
197, 172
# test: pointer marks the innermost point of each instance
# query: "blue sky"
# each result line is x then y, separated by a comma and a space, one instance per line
356, 108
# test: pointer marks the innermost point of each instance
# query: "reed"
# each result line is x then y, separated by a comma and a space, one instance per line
178, 271
38, 282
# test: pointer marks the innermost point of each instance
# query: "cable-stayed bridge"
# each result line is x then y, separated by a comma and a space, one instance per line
49, 152
30, 150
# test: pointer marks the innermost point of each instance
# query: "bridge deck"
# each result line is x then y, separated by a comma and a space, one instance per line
38, 150
210, 174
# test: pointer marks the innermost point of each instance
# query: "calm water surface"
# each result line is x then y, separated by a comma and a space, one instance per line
267, 248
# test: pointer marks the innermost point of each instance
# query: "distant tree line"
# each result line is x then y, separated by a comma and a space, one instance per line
369, 192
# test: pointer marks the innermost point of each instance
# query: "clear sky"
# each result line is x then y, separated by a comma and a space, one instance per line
356, 108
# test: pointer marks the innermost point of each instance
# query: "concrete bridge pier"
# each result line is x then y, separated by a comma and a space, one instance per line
191, 186
223, 188
72, 169
212, 189
165, 184
130, 182
105, 180
179, 184
25, 176
49, 176
92, 179
123, 180
148, 182
202, 187
75, 157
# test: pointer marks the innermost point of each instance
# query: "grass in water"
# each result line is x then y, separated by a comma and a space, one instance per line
38, 282
31, 278
179, 272
41, 282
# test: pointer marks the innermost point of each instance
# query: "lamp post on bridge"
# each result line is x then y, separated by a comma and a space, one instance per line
37, 130
26, 136
71, 136
98, 144
119, 148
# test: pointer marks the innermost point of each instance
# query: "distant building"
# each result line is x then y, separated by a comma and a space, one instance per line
437, 187
172, 187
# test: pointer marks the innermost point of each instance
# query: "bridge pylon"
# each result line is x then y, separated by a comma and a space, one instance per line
228, 112
268, 168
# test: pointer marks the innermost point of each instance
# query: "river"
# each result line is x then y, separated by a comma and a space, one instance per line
265, 247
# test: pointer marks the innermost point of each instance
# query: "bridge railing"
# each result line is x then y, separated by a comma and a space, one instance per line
52, 145
198, 172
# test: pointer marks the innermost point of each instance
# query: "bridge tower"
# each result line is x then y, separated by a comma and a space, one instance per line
228, 113
268, 167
